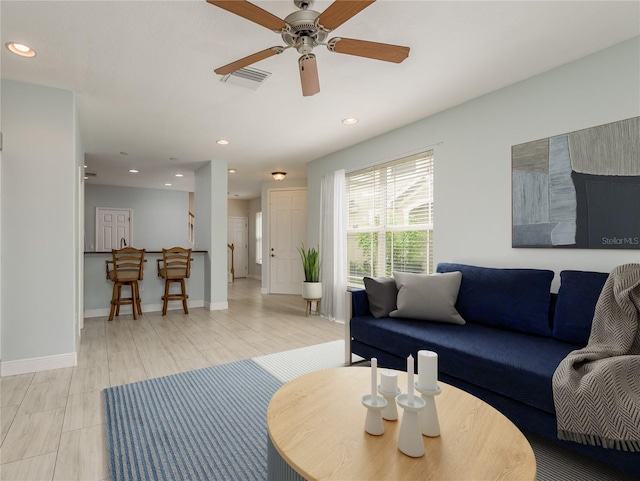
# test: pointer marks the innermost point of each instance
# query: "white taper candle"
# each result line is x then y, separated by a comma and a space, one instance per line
410, 368
428, 370
374, 379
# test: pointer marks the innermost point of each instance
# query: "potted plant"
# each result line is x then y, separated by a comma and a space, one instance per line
312, 287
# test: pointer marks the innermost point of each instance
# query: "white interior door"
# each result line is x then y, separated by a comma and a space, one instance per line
237, 234
287, 232
112, 227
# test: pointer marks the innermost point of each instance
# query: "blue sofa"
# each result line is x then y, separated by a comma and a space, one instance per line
516, 334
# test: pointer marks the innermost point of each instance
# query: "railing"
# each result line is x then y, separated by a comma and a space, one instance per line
233, 271
192, 221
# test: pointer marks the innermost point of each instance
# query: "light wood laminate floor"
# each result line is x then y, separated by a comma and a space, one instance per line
52, 422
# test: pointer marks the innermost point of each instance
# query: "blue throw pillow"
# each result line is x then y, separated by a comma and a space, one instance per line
516, 299
577, 297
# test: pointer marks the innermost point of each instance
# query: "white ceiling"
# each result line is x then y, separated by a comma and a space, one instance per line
143, 74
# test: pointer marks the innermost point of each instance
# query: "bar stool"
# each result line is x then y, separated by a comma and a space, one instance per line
125, 269
175, 266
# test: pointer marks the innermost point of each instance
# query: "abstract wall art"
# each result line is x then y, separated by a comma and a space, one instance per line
578, 190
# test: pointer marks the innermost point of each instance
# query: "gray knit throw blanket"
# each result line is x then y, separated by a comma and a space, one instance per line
596, 390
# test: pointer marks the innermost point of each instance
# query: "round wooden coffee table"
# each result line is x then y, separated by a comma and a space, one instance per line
316, 427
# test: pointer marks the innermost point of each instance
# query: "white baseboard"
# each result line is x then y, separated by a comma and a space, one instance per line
216, 306
104, 311
36, 364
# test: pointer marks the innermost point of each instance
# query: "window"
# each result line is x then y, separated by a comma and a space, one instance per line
390, 218
258, 237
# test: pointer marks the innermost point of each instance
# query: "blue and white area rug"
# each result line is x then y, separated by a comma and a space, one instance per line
210, 424
207, 424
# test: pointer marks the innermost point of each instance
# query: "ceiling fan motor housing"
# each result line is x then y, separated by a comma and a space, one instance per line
303, 34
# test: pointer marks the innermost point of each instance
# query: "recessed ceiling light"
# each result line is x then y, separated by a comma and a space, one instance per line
85, 166
167, 184
179, 175
85, 177
222, 142
232, 171
21, 49
350, 121
133, 171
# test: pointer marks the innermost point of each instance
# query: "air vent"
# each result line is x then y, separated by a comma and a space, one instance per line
247, 77
90, 174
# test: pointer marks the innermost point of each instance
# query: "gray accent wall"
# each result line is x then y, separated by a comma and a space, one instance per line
472, 147
211, 230
160, 216
39, 218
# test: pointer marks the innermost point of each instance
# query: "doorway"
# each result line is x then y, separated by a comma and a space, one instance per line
237, 234
287, 232
113, 228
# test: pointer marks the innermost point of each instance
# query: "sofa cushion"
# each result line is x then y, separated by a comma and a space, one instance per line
516, 299
516, 365
576, 303
428, 297
381, 293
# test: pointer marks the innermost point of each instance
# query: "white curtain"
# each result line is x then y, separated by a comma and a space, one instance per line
333, 245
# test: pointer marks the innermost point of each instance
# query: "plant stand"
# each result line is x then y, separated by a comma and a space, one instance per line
309, 305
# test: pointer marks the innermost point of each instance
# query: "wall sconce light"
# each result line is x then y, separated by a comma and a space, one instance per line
278, 175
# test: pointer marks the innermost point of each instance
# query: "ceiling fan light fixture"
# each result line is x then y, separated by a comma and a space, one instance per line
309, 75
278, 175
306, 29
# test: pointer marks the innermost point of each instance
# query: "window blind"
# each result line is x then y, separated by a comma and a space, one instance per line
390, 218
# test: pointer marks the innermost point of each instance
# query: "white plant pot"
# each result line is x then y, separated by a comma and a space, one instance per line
312, 290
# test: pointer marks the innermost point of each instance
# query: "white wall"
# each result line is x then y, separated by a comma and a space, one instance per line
472, 144
160, 216
39, 223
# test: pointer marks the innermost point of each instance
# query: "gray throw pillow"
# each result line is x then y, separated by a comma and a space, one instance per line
381, 292
428, 297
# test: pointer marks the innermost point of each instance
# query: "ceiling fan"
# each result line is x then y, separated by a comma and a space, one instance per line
306, 29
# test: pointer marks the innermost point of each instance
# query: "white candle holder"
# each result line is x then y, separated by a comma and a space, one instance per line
409, 438
373, 422
429, 424
390, 413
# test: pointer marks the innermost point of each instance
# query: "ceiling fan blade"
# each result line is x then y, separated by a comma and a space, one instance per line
251, 12
340, 11
374, 50
243, 62
309, 75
